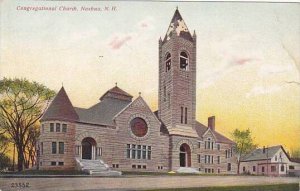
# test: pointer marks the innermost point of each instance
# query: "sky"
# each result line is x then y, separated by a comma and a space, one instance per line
248, 57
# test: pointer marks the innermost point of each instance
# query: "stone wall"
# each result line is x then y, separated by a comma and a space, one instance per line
46, 138
180, 84
197, 147
159, 143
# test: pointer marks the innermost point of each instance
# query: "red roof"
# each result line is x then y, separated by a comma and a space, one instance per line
60, 108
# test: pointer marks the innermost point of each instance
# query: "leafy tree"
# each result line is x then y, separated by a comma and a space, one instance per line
22, 104
295, 152
4, 161
4, 142
244, 144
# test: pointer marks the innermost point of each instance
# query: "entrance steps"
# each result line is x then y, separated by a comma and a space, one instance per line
96, 167
187, 170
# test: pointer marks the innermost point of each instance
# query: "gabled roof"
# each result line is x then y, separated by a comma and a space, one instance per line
60, 108
142, 103
117, 93
201, 130
103, 112
178, 27
258, 154
297, 160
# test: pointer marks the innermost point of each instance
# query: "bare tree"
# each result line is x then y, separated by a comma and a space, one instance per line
22, 104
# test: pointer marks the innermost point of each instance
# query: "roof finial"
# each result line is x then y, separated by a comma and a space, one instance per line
177, 7
116, 84
140, 93
62, 84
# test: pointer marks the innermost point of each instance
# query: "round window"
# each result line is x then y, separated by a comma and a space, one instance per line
139, 127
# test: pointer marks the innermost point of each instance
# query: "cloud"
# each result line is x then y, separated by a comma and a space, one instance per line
85, 34
261, 90
293, 82
239, 49
139, 31
211, 76
118, 41
269, 69
231, 53
242, 61
146, 23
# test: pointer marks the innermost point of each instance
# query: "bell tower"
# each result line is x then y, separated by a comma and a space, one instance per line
177, 78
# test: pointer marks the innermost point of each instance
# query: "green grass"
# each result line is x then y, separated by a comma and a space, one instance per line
278, 187
170, 174
44, 172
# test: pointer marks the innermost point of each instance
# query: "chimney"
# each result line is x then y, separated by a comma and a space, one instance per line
211, 122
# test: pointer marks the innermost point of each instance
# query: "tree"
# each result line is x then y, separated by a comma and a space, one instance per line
22, 104
4, 142
30, 150
295, 152
244, 144
4, 161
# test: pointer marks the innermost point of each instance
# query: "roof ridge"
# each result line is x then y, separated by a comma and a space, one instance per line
201, 129
114, 92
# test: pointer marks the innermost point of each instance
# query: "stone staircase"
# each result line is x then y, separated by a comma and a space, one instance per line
96, 167
187, 170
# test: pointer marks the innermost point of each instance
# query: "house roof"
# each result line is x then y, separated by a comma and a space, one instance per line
103, 112
117, 93
201, 129
258, 154
297, 160
60, 108
178, 27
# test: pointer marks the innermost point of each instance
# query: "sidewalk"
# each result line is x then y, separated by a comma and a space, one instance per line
136, 182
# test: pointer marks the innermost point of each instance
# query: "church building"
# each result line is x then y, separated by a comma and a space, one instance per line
125, 135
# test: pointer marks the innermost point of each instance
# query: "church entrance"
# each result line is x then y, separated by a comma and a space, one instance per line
185, 155
88, 148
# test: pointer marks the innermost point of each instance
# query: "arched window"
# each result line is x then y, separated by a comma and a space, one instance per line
184, 61
208, 143
168, 62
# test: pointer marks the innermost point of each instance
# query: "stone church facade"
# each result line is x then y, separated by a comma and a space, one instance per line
127, 135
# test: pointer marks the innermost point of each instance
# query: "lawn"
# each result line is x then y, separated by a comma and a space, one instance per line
170, 174
278, 187
75, 172
44, 172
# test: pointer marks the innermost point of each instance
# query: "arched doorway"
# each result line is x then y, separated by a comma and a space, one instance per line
88, 145
185, 155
